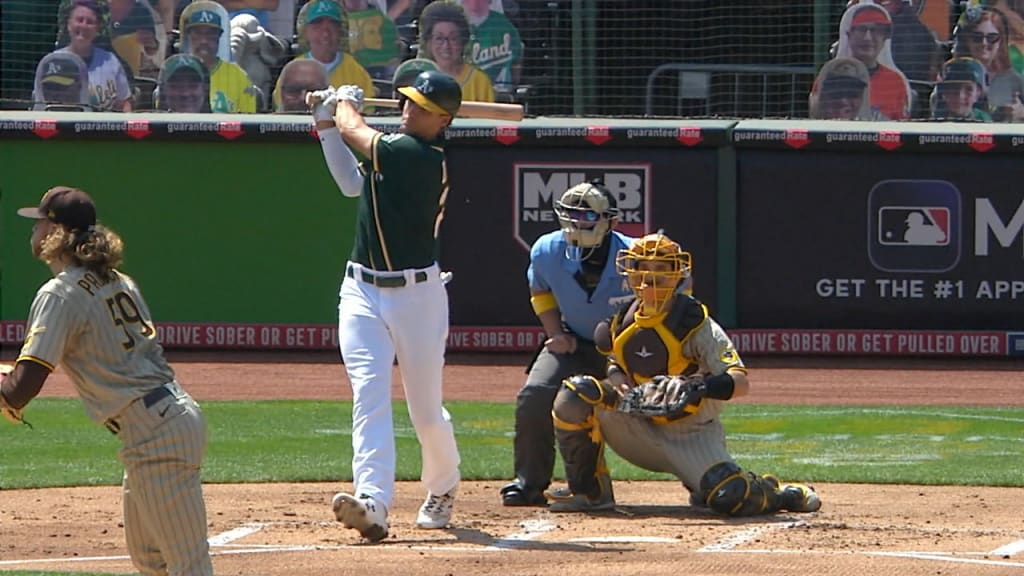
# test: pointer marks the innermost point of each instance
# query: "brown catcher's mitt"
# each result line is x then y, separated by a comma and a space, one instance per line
11, 413
669, 397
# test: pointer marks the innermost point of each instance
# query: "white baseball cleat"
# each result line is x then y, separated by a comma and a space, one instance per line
436, 511
362, 513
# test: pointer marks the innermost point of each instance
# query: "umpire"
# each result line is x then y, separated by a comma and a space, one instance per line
573, 286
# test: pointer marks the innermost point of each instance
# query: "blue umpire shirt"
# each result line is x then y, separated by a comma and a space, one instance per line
551, 271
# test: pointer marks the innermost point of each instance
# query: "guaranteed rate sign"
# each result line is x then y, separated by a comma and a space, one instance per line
540, 185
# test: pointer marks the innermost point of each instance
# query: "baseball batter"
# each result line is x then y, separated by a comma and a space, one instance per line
91, 319
663, 332
573, 287
392, 300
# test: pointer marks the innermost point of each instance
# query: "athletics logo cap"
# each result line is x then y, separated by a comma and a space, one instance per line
64, 205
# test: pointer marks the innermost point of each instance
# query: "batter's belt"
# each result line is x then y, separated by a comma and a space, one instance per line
382, 281
148, 400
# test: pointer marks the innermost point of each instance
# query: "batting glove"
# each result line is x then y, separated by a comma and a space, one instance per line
323, 102
353, 94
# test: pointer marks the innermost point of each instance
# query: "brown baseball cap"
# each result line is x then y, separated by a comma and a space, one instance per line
64, 205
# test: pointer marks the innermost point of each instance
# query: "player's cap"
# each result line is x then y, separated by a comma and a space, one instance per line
64, 205
63, 69
964, 70
408, 71
870, 14
180, 62
435, 92
203, 18
323, 9
846, 74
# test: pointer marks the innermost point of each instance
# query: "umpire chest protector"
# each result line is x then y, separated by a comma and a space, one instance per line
646, 346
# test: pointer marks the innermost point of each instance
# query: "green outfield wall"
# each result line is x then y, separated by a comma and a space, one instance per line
238, 236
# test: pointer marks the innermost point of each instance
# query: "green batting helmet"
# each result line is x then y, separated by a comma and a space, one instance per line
435, 92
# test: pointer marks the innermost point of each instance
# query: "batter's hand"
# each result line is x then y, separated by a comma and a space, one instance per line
353, 94
322, 103
563, 343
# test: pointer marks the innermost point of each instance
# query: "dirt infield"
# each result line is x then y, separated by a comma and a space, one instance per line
279, 529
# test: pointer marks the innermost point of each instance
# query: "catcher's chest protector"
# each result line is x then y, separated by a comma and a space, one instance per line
647, 347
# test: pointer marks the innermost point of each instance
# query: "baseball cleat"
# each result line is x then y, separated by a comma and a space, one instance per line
513, 494
799, 498
436, 511
362, 513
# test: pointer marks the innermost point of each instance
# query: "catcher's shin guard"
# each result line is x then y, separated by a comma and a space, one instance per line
728, 489
580, 440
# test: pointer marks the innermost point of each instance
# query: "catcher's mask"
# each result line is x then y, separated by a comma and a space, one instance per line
586, 213
654, 266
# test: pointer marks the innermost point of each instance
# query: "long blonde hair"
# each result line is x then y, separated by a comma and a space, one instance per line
97, 248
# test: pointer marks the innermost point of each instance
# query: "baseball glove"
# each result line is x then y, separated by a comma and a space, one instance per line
11, 413
668, 397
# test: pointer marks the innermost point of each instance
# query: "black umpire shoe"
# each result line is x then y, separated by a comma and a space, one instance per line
513, 494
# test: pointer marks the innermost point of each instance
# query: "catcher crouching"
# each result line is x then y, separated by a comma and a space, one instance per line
649, 412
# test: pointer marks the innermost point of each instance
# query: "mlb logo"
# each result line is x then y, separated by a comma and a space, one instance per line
914, 226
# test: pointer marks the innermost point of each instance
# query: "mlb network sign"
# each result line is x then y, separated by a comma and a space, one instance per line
540, 185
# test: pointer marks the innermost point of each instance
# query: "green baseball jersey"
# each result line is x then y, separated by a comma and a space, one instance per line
401, 205
495, 47
101, 331
373, 37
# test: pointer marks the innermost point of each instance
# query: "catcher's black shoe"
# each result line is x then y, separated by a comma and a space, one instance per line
799, 498
513, 494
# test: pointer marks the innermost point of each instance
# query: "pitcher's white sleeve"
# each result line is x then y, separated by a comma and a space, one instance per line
341, 162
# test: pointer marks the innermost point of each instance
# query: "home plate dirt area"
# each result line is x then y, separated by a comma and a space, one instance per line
289, 529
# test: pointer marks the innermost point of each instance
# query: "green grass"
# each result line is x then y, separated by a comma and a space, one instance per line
298, 441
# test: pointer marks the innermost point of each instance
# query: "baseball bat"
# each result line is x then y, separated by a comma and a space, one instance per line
469, 109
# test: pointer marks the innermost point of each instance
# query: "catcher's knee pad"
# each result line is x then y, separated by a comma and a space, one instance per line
577, 398
728, 489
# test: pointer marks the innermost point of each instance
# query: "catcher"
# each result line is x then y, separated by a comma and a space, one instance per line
651, 414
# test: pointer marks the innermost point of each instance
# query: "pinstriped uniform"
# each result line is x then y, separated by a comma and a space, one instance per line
682, 340
102, 333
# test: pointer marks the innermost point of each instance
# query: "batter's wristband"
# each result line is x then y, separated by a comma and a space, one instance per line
543, 302
720, 387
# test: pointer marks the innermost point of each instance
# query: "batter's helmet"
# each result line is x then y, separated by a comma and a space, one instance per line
586, 213
655, 266
435, 91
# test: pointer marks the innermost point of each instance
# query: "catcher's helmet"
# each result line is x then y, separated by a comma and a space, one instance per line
586, 213
435, 91
655, 266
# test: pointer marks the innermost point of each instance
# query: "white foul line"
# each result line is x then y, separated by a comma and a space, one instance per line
919, 556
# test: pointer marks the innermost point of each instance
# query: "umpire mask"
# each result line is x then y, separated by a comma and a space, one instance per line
587, 213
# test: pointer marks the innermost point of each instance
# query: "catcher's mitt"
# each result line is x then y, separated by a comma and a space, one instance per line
668, 397
11, 413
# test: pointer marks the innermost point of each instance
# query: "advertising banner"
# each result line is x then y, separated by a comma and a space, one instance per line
830, 240
500, 204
